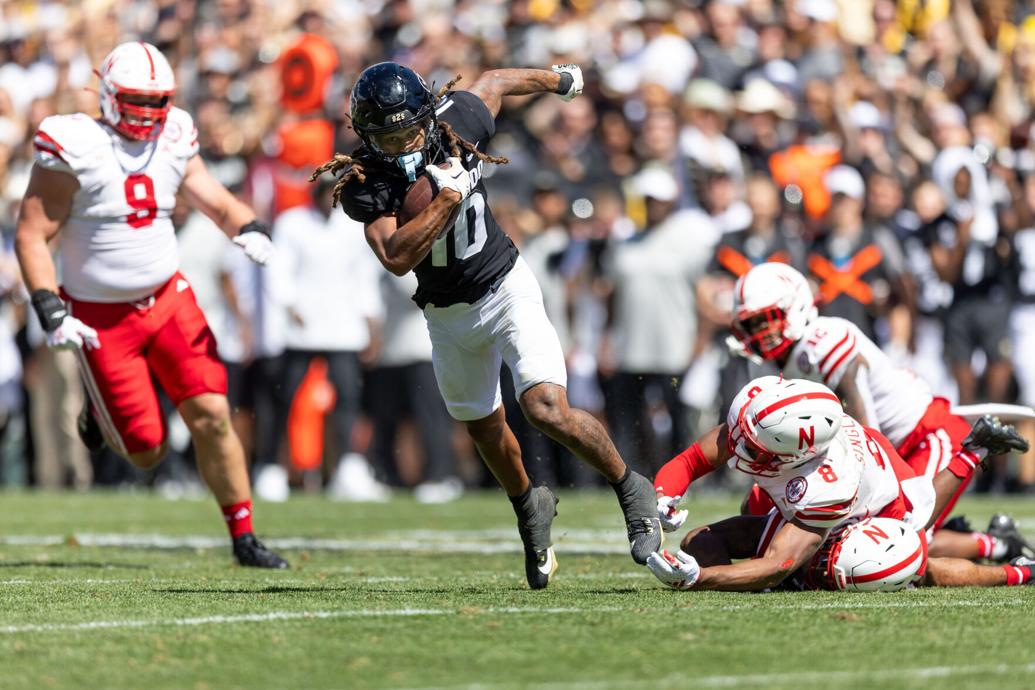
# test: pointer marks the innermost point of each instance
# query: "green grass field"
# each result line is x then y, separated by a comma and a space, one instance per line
131, 591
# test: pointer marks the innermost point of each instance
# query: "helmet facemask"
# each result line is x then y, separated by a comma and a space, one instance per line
395, 143
762, 332
141, 115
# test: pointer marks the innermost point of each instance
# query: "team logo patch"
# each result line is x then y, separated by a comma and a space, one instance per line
796, 489
804, 363
172, 130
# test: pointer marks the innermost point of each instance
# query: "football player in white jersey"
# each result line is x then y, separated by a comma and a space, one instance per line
108, 185
823, 472
775, 319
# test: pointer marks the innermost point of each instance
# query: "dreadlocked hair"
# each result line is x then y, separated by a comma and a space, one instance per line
455, 142
335, 166
354, 169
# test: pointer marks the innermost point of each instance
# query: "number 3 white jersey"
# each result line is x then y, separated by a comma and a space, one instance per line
829, 346
853, 480
118, 244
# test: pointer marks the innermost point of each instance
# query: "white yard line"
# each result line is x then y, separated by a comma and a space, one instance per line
288, 616
798, 678
851, 602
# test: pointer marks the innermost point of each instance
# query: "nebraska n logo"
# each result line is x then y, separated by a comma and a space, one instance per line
806, 439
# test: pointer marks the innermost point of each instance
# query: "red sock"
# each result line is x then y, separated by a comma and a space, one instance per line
1017, 574
238, 518
984, 544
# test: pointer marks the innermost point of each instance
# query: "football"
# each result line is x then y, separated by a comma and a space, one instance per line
417, 198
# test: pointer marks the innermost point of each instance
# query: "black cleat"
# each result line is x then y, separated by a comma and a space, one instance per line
958, 523
1003, 528
992, 435
251, 553
89, 430
639, 504
535, 516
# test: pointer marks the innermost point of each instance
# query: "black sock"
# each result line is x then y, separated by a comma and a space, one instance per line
520, 502
624, 479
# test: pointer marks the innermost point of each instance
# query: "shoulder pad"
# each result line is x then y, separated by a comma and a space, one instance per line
180, 134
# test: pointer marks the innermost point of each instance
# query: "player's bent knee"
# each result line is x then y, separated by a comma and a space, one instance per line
545, 406
148, 459
688, 540
208, 417
486, 431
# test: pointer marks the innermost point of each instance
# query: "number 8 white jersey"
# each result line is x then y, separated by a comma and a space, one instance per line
853, 480
118, 244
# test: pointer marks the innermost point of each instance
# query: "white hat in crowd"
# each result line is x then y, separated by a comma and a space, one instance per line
760, 96
656, 182
865, 115
844, 179
819, 10
708, 95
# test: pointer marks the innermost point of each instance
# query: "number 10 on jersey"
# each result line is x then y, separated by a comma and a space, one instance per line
468, 233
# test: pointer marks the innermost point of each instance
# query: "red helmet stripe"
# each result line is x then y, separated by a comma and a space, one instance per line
780, 404
149, 59
892, 569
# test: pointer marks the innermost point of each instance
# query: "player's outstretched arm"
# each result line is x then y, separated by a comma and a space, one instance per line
792, 548
674, 478
492, 86
45, 207
204, 193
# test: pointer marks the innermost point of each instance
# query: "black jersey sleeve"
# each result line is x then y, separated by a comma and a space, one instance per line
468, 115
367, 201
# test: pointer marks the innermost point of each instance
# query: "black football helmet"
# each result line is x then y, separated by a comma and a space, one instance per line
389, 97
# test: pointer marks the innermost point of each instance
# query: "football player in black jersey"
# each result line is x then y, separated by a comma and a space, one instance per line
481, 301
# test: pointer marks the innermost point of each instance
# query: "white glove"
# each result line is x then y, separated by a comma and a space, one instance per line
576, 80
72, 333
455, 177
671, 517
257, 246
680, 571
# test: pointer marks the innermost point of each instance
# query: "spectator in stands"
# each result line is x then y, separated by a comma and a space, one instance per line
322, 256
652, 328
969, 254
402, 386
858, 267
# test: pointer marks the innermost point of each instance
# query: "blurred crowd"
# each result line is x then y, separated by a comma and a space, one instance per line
885, 148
